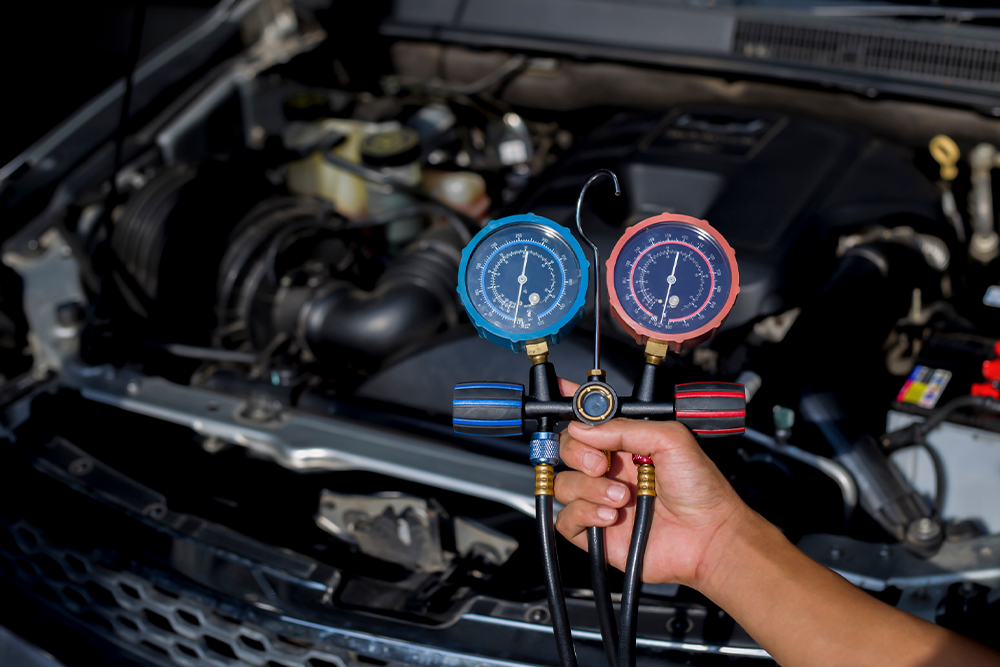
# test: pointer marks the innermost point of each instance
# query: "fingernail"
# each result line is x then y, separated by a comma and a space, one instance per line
606, 513
616, 492
592, 461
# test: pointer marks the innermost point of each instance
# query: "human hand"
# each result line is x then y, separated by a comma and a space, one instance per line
704, 536
696, 508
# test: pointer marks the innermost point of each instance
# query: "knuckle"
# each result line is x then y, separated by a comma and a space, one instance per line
573, 511
567, 521
560, 487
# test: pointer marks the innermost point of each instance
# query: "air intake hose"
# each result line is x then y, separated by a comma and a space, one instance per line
413, 299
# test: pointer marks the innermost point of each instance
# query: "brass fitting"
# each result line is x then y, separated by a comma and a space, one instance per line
537, 352
607, 455
545, 480
647, 480
589, 390
945, 152
596, 373
655, 351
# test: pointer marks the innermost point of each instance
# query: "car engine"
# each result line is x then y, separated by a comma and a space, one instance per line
230, 338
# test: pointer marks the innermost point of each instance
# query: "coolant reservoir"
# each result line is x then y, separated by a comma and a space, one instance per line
464, 191
396, 154
314, 176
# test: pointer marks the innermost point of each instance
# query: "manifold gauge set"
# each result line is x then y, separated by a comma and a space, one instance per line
524, 279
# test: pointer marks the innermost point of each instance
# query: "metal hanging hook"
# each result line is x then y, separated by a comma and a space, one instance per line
597, 259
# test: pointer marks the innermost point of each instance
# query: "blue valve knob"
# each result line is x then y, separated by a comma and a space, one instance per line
488, 408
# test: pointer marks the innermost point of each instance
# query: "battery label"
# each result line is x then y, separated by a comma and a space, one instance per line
924, 386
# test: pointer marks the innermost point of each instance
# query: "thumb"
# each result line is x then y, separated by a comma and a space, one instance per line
567, 388
659, 440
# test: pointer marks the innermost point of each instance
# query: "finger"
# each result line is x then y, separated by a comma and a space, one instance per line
579, 515
635, 436
582, 457
567, 388
571, 485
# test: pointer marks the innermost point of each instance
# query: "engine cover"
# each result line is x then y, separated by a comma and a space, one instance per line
775, 186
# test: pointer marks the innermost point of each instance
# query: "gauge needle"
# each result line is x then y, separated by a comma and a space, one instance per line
670, 283
521, 279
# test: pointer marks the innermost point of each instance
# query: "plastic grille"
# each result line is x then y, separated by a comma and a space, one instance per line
976, 64
165, 626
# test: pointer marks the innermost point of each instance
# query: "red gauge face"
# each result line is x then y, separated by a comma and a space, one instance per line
672, 278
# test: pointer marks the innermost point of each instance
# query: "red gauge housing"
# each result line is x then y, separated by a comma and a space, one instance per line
685, 307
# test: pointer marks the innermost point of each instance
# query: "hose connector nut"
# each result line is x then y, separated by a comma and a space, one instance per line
646, 482
545, 480
544, 448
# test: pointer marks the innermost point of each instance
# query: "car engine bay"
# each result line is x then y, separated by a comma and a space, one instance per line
229, 355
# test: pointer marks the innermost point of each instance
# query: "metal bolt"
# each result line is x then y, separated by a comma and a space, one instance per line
80, 467
926, 528
132, 388
835, 553
69, 314
155, 510
537, 615
986, 552
679, 625
212, 445
883, 552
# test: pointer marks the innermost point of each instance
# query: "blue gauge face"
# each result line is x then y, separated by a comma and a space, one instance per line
523, 278
672, 278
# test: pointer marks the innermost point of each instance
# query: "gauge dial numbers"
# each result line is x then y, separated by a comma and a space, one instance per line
523, 281
672, 278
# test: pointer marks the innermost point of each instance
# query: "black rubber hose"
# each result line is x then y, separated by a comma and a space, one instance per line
633, 580
553, 583
914, 433
412, 300
978, 402
940, 480
602, 593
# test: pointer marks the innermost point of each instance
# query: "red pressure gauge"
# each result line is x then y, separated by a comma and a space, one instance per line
672, 278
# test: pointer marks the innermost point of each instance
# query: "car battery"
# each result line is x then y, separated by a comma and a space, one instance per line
949, 366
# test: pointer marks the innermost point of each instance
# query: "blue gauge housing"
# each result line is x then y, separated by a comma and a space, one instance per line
523, 279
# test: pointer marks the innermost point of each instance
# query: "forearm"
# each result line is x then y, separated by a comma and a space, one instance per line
804, 614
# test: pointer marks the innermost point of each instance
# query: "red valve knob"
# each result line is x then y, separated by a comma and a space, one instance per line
711, 408
991, 370
985, 389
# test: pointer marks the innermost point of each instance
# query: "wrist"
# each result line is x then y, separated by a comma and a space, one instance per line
732, 548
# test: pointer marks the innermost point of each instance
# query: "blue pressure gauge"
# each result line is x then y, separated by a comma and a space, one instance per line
523, 279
